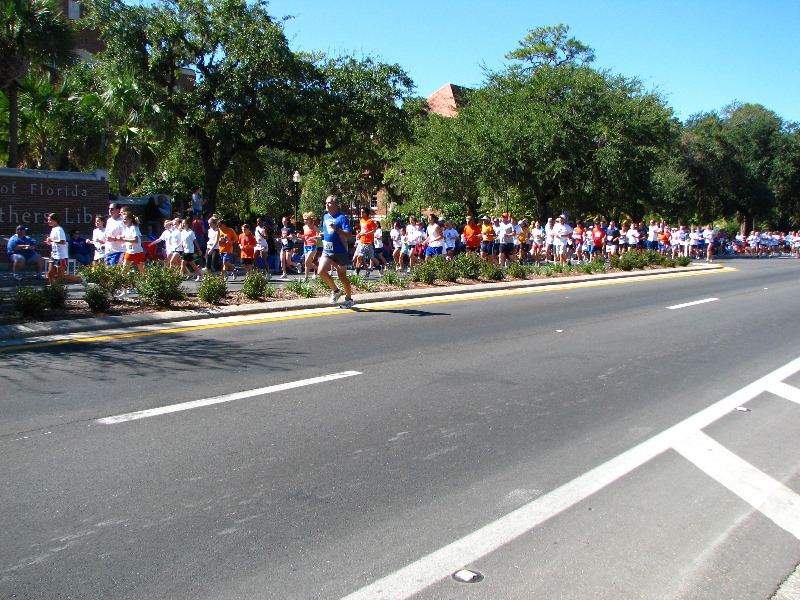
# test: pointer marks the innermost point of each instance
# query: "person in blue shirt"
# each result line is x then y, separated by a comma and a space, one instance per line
79, 248
21, 251
335, 233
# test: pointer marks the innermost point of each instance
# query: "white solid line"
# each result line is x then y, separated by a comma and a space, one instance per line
786, 391
770, 497
676, 306
163, 410
440, 564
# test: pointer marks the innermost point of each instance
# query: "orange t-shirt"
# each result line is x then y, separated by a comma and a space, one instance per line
367, 232
230, 235
472, 235
247, 245
310, 235
488, 233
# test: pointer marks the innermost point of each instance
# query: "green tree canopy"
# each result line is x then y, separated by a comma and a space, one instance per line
33, 36
251, 91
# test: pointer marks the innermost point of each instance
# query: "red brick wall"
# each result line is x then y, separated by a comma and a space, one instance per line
26, 196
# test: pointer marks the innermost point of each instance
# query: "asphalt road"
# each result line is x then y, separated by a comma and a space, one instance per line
483, 434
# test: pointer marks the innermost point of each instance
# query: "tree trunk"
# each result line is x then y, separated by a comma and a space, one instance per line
13, 125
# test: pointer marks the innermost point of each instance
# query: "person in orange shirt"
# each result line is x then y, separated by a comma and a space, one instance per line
310, 235
472, 235
247, 247
365, 247
488, 236
227, 237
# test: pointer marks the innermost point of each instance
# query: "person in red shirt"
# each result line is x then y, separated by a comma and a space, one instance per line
472, 235
310, 236
247, 247
599, 239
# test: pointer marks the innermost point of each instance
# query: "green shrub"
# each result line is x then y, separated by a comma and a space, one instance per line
425, 273
256, 285
392, 278
517, 271
54, 295
546, 270
113, 278
302, 288
491, 271
212, 289
97, 298
469, 266
684, 261
30, 302
160, 285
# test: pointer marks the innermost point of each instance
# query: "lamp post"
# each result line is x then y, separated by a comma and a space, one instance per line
296, 181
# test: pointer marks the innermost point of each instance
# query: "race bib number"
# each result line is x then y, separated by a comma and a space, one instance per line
327, 246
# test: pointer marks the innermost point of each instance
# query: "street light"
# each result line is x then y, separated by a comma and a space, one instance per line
296, 180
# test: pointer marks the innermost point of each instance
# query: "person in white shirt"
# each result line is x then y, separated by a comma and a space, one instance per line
562, 233
99, 238
708, 236
505, 239
115, 246
59, 253
548, 239
450, 238
652, 235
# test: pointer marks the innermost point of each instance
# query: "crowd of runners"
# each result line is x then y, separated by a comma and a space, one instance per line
303, 250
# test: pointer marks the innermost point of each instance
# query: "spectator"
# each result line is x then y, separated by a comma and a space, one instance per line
152, 215
79, 248
21, 250
197, 202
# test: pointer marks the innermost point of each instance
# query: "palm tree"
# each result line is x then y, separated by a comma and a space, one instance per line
33, 35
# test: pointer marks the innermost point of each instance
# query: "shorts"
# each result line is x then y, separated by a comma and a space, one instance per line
188, 257
28, 261
309, 250
612, 248
339, 258
651, 245
366, 250
247, 261
433, 250
505, 248
226, 256
487, 247
136, 259
113, 258
560, 249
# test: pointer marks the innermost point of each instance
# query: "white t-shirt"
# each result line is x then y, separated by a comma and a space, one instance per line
396, 234
114, 228
132, 233
187, 241
652, 233
450, 237
58, 251
99, 241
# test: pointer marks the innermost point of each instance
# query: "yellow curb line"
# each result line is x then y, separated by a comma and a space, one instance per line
338, 311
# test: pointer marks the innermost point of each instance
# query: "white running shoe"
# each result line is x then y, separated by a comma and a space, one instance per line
335, 295
348, 303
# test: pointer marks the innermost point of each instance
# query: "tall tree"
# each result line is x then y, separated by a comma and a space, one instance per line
33, 35
550, 46
251, 91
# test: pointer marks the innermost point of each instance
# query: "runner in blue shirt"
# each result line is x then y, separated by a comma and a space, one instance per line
335, 233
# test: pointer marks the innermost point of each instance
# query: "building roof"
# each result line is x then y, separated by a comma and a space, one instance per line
447, 99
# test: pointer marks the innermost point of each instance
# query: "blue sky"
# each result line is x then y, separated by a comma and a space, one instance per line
701, 55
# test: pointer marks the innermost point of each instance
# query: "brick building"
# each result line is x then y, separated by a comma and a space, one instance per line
27, 195
447, 99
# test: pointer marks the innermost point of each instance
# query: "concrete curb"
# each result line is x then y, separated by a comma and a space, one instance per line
33, 330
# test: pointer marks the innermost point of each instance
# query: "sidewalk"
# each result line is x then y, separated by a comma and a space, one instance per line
53, 328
